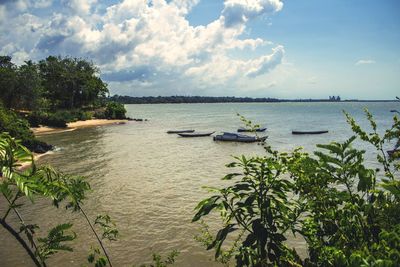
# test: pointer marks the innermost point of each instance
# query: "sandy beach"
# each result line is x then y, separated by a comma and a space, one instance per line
76, 125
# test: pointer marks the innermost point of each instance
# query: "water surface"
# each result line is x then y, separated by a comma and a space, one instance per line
149, 181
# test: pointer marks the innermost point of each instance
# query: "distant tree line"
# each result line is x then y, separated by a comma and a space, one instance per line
207, 99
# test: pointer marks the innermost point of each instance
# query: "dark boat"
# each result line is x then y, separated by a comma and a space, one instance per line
309, 132
234, 137
393, 151
251, 130
195, 134
180, 131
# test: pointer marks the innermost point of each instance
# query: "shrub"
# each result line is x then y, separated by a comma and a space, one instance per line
18, 128
115, 110
99, 113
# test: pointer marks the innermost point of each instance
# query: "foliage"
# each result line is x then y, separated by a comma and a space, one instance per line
347, 213
58, 118
70, 82
18, 127
115, 110
159, 262
96, 258
18, 186
53, 242
109, 230
51, 84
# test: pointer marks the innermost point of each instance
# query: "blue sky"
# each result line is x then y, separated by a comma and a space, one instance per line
259, 48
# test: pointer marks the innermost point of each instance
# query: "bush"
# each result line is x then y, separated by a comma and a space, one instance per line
100, 114
36, 118
18, 128
58, 118
115, 110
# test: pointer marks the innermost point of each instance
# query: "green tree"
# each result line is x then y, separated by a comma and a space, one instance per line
70, 82
8, 81
28, 89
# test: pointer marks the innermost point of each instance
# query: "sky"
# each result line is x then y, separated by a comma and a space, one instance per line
257, 48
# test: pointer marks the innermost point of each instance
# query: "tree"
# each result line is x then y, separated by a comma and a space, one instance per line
71, 83
8, 81
28, 89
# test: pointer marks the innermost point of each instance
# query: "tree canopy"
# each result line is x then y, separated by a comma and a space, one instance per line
52, 83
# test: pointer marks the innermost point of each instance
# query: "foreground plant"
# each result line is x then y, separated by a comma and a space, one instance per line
348, 214
17, 185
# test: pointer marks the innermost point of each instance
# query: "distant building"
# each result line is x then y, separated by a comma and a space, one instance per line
334, 98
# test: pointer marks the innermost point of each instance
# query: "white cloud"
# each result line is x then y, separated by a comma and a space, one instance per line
133, 37
82, 7
365, 62
239, 11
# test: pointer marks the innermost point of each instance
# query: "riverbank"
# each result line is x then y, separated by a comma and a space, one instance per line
42, 130
24, 165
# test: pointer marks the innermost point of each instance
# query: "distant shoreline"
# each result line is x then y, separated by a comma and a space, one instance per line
222, 99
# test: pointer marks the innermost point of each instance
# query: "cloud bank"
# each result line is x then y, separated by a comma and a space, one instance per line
143, 47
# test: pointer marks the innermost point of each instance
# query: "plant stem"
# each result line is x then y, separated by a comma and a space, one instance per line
23, 224
97, 236
22, 242
10, 206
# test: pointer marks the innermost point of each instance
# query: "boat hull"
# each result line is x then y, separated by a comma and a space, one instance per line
180, 131
195, 134
249, 139
309, 132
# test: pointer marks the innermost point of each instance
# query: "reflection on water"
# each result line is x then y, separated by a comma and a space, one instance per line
149, 181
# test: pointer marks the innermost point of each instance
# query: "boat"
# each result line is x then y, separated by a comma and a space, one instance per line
393, 151
195, 134
251, 130
234, 137
309, 132
179, 131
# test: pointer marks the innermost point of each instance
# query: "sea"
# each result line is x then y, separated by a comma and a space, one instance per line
149, 181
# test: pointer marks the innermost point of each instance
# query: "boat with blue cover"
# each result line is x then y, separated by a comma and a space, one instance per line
234, 137
251, 130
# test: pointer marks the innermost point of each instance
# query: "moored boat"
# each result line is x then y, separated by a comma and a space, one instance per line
309, 132
234, 137
195, 134
179, 131
251, 130
393, 151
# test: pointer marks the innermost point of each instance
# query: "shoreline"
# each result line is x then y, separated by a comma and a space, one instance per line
72, 126
36, 156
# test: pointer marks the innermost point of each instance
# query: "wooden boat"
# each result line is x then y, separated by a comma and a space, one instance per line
309, 132
195, 134
251, 130
179, 131
234, 137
